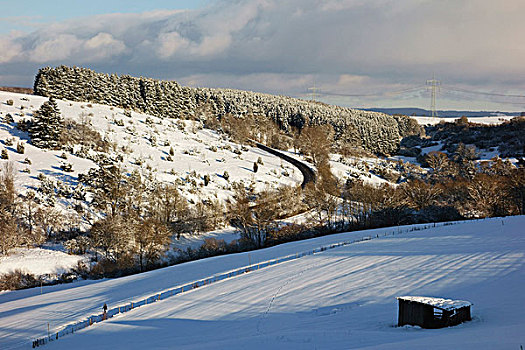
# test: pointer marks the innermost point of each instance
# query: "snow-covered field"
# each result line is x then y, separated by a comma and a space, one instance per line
491, 120
339, 299
38, 261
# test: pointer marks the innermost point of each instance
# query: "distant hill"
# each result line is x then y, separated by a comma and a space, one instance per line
447, 113
18, 90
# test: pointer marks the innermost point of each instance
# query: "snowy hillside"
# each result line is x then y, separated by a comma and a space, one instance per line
488, 120
167, 150
338, 299
144, 142
39, 261
375, 132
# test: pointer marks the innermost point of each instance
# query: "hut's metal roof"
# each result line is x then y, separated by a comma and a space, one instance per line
440, 303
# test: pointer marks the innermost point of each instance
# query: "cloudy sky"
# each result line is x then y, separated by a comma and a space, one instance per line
359, 53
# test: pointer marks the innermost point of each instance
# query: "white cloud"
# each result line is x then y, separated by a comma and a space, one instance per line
213, 45
340, 5
343, 43
9, 49
278, 83
102, 46
58, 48
170, 44
351, 80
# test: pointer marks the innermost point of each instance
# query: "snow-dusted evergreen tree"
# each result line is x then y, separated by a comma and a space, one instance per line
47, 126
41, 85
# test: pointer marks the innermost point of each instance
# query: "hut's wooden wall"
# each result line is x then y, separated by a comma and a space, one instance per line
414, 314
422, 315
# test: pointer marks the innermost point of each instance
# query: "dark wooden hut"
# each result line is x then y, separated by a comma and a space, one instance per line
428, 312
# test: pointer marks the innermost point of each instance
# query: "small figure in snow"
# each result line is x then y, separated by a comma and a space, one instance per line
105, 315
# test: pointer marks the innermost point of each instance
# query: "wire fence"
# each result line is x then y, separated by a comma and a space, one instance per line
89, 321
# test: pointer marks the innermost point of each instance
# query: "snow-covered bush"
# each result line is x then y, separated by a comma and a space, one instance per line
20, 147
67, 167
9, 118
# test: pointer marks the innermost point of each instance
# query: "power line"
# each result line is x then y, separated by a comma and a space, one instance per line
480, 92
433, 84
384, 93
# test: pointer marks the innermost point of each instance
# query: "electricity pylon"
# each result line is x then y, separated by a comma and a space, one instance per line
314, 91
434, 86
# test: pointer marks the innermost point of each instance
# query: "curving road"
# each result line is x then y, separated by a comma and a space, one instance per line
308, 173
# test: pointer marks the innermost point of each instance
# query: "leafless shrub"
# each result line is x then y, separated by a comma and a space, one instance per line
17, 279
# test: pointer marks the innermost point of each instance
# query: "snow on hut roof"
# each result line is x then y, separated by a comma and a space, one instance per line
440, 303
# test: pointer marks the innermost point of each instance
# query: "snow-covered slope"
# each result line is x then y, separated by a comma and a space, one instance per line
338, 299
144, 142
38, 261
147, 141
489, 120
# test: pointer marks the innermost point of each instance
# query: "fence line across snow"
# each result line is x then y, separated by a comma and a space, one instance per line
72, 328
